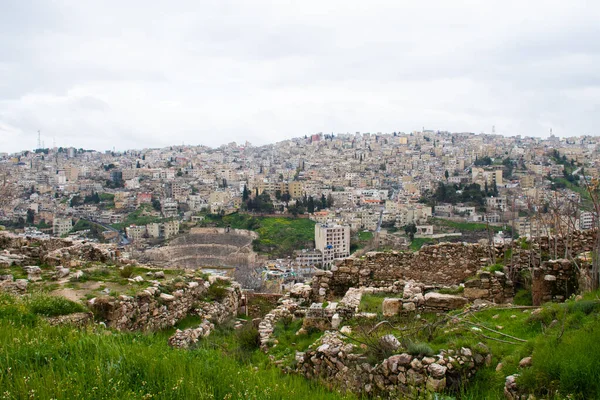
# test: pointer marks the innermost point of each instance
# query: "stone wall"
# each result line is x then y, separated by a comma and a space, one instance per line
494, 287
340, 364
54, 251
554, 280
444, 264
447, 264
151, 310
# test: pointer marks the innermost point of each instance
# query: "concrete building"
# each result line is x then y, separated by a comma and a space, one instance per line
333, 241
61, 226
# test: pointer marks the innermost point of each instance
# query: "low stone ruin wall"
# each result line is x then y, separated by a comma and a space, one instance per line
70, 253
554, 280
340, 365
151, 310
445, 264
494, 287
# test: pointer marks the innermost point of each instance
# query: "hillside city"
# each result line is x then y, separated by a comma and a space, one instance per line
329, 266
427, 185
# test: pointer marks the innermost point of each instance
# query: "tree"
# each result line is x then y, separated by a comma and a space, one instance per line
156, 204
410, 230
245, 194
323, 201
137, 164
310, 207
447, 175
329, 200
30, 216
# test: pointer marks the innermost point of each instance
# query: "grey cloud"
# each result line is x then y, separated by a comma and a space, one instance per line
144, 73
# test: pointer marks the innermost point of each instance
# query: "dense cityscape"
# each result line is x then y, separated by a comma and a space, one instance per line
397, 185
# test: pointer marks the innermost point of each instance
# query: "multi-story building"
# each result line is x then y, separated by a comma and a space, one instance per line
333, 241
61, 226
586, 220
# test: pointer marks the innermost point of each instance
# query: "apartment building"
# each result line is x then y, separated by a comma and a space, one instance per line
61, 226
333, 241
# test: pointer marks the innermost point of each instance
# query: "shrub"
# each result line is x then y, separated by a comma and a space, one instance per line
248, 338
51, 306
419, 349
126, 271
495, 268
584, 306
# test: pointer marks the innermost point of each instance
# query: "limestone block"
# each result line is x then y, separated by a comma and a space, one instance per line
391, 306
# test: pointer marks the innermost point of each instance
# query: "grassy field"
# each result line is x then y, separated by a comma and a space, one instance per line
279, 236
40, 361
465, 226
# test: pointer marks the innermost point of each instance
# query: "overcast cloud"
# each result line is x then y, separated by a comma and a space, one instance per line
135, 74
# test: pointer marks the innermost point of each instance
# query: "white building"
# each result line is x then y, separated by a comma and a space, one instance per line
61, 226
333, 241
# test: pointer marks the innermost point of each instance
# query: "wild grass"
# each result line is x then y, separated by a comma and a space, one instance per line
40, 361
372, 303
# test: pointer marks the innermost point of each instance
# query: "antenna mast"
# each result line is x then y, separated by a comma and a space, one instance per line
39, 140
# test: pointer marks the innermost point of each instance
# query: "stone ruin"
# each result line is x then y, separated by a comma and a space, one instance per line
152, 309
17, 250
335, 362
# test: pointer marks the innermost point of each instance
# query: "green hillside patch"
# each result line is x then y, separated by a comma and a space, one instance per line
278, 236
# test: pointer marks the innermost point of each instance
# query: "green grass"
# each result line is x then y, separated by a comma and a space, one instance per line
141, 216
372, 302
278, 236
466, 226
365, 236
41, 361
289, 342
417, 243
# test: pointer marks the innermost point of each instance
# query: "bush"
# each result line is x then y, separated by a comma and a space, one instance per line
248, 338
495, 268
216, 293
419, 349
52, 306
126, 271
584, 306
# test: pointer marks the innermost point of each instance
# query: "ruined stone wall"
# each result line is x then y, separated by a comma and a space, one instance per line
151, 310
54, 251
554, 280
337, 364
447, 264
494, 287
444, 264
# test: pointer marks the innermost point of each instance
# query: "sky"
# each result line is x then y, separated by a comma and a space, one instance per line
133, 74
